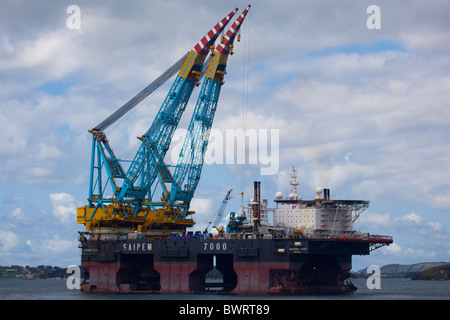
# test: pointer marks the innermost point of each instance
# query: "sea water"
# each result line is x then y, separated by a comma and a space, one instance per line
390, 289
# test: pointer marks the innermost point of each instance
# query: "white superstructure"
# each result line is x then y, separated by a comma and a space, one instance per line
293, 215
320, 214
301, 216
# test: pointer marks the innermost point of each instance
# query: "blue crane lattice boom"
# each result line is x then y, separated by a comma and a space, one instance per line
155, 142
131, 205
188, 170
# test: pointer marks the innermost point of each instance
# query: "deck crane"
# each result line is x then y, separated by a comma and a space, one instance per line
219, 214
131, 205
187, 172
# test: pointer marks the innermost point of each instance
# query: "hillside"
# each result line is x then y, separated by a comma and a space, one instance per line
39, 272
434, 273
402, 270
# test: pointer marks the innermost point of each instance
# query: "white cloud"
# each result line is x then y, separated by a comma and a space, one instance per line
375, 220
436, 226
410, 253
64, 207
18, 214
415, 239
29, 243
376, 107
412, 217
8, 240
394, 248
202, 206
411, 223
58, 245
52, 55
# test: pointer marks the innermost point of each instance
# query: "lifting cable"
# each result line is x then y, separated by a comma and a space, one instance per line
245, 82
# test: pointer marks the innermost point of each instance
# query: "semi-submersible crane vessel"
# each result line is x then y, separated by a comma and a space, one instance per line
136, 243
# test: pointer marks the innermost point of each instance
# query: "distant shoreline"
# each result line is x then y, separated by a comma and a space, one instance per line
416, 271
33, 273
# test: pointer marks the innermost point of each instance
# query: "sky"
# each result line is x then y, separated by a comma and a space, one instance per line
357, 109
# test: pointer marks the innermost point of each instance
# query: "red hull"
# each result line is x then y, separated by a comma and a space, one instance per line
181, 277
